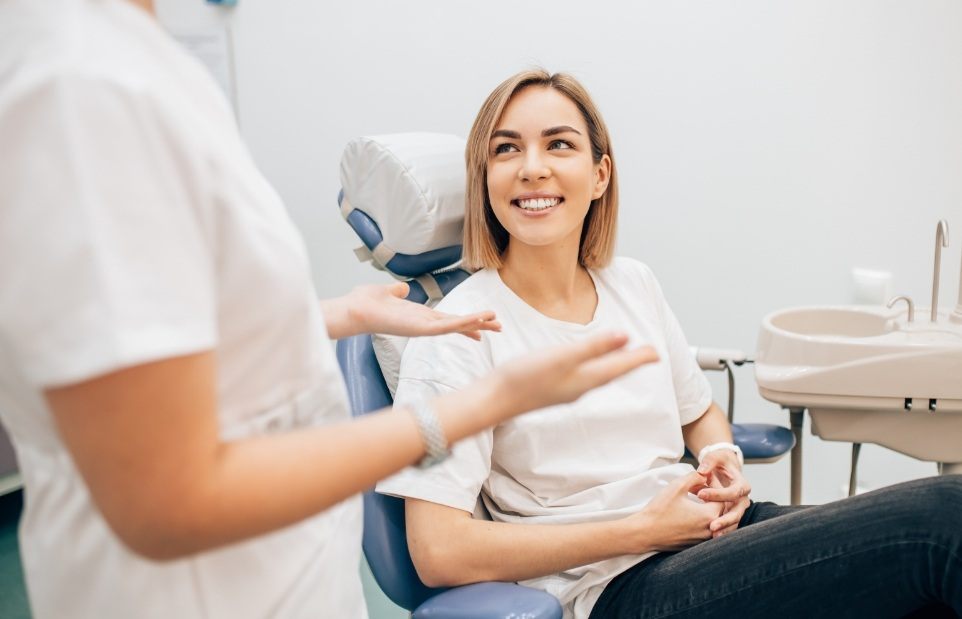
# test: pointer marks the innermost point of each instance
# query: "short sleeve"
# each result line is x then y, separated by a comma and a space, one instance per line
103, 255
432, 367
692, 389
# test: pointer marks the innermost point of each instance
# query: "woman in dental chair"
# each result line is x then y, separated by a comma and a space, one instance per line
588, 501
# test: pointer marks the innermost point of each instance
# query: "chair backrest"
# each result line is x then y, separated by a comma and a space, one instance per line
385, 541
403, 195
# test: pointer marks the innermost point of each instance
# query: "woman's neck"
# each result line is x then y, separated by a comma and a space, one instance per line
551, 280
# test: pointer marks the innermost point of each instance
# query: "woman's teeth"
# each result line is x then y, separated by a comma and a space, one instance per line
538, 204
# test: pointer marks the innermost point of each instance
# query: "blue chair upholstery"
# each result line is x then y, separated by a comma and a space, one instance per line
759, 442
762, 442
446, 280
405, 265
385, 541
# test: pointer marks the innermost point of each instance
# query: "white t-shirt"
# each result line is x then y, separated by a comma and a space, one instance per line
600, 458
134, 226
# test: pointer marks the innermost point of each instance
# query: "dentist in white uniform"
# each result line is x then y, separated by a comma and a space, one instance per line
166, 370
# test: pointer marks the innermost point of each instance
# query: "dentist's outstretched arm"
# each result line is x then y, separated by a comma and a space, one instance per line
146, 441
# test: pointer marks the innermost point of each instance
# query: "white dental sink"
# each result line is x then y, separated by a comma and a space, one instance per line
832, 321
867, 375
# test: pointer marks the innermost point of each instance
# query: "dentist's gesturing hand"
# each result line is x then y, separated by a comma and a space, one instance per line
564, 373
383, 309
727, 486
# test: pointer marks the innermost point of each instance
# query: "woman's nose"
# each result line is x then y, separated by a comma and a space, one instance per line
533, 167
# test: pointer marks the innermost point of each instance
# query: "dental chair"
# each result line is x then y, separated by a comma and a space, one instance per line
403, 195
385, 541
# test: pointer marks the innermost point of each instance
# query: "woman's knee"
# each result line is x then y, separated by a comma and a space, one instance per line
941, 500
948, 488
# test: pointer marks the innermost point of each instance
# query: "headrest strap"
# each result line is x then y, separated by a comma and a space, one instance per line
364, 255
431, 287
380, 255
378, 258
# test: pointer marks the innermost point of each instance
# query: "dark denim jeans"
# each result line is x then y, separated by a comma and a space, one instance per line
888, 553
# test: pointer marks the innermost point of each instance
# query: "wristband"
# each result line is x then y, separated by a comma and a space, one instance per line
429, 427
707, 449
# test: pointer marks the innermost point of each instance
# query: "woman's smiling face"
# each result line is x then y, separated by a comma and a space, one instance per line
541, 176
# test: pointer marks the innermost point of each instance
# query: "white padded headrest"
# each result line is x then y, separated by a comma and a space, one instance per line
411, 185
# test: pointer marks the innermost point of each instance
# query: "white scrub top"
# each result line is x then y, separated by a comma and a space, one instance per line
134, 226
601, 457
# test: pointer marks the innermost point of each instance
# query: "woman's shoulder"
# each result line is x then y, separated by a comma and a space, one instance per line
624, 267
453, 359
474, 294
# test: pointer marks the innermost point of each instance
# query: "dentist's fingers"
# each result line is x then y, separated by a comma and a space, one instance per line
475, 334
606, 362
564, 373
470, 325
399, 289
481, 318
593, 347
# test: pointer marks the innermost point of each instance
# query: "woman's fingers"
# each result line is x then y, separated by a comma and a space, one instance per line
724, 521
732, 493
725, 531
728, 522
693, 481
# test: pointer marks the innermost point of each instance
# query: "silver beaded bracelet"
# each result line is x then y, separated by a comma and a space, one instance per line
429, 426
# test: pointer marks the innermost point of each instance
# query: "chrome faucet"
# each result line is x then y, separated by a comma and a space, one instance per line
908, 301
941, 240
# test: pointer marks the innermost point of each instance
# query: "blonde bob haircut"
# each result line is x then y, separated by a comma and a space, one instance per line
485, 239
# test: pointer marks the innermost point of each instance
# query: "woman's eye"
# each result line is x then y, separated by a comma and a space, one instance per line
506, 147
560, 145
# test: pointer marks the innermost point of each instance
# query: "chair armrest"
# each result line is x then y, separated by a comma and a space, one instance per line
715, 358
721, 359
490, 600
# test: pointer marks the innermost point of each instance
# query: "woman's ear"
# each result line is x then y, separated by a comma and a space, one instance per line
602, 176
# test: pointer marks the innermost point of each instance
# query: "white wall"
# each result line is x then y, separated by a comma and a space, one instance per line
764, 148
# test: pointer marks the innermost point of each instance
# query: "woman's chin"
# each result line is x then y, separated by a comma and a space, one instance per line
539, 238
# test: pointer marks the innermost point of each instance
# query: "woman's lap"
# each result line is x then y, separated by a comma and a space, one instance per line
882, 554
